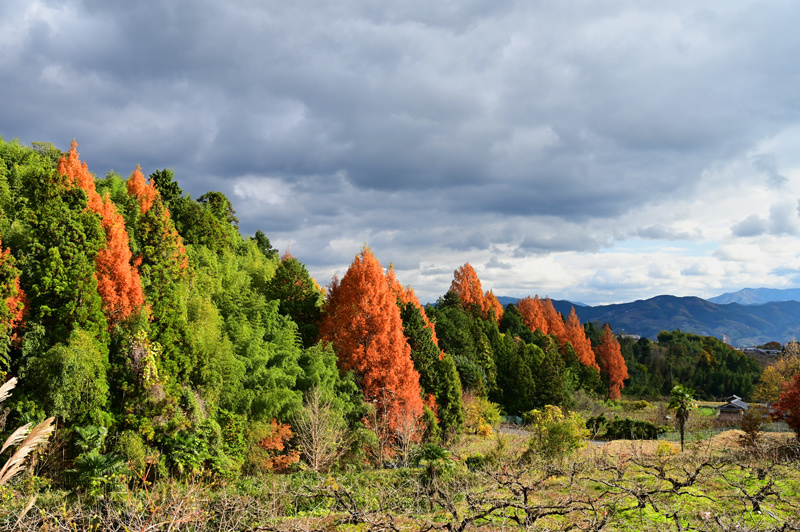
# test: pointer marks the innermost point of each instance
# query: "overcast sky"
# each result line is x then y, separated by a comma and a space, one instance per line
593, 151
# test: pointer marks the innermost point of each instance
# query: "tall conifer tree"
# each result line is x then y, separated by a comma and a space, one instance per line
299, 297
555, 322
612, 364
363, 322
492, 303
575, 334
468, 286
533, 314
11, 304
118, 281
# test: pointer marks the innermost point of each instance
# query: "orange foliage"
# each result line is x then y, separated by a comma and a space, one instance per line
468, 286
533, 314
363, 322
118, 281
430, 402
576, 336
16, 302
78, 174
319, 288
16, 305
493, 303
144, 192
275, 444
555, 323
609, 356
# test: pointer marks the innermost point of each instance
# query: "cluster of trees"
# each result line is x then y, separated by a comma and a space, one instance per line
706, 364
527, 355
133, 307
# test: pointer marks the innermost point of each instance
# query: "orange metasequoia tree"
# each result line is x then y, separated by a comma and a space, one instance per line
492, 303
467, 285
555, 323
144, 192
118, 280
362, 321
576, 335
78, 174
533, 314
612, 366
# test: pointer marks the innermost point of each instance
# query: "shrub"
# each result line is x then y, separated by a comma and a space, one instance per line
631, 429
635, 405
476, 462
664, 449
555, 434
485, 430
480, 414
752, 425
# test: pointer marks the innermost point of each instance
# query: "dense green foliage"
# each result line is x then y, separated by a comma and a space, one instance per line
711, 367
196, 375
620, 428
437, 371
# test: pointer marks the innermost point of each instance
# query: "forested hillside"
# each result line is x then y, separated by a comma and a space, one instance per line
158, 335
743, 325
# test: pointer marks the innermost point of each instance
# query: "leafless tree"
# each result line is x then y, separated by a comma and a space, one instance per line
321, 432
408, 433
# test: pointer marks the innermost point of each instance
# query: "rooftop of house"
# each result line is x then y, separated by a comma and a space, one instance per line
734, 403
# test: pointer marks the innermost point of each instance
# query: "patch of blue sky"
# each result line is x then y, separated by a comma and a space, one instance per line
684, 248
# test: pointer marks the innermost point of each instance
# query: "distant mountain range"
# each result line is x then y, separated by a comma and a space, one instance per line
753, 322
757, 296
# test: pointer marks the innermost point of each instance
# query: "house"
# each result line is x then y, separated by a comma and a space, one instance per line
733, 409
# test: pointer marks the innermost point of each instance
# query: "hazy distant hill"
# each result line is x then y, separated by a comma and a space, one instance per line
742, 324
757, 296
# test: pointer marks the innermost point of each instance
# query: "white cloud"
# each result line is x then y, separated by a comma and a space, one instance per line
257, 191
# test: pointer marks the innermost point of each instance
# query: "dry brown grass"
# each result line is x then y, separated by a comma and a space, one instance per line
636, 447
27, 437
727, 440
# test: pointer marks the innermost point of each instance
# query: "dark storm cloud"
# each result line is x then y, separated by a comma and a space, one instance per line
417, 127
